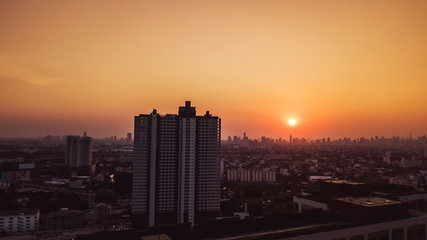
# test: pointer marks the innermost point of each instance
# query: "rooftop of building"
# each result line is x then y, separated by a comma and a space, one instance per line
64, 213
368, 201
266, 227
18, 212
314, 228
184, 111
344, 182
313, 197
391, 189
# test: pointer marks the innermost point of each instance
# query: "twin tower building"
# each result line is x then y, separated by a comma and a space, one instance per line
176, 167
78, 154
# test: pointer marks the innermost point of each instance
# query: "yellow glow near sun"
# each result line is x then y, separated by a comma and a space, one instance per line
292, 121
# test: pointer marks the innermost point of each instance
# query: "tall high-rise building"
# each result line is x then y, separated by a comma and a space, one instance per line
176, 167
72, 151
78, 154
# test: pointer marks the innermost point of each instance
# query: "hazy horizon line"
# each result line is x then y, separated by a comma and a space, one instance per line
286, 138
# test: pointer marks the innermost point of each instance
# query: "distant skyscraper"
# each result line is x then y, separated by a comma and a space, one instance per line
176, 167
290, 139
72, 151
78, 154
129, 137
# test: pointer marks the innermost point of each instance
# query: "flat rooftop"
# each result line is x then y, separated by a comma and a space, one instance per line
368, 201
344, 182
391, 189
18, 212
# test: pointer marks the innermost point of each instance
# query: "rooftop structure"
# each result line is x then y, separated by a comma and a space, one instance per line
342, 188
343, 182
368, 201
367, 208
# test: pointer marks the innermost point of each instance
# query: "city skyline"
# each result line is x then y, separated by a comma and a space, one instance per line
341, 69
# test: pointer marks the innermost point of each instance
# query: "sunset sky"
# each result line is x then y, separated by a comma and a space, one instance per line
341, 68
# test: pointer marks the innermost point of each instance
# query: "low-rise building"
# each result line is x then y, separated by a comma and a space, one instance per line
242, 175
63, 220
19, 221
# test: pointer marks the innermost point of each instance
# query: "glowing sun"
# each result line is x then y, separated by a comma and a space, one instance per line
292, 121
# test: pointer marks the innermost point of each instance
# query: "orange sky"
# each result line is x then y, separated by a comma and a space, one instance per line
341, 68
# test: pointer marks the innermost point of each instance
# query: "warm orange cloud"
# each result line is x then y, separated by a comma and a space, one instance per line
342, 68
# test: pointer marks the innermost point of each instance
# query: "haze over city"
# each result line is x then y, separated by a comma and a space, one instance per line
182, 120
339, 68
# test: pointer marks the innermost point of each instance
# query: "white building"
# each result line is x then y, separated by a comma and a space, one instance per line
242, 175
176, 167
19, 221
319, 178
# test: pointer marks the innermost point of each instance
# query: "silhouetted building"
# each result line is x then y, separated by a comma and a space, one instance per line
63, 219
330, 189
78, 154
340, 188
72, 151
101, 213
106, 196
129, 137
368, 208
244, 175
176, 167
